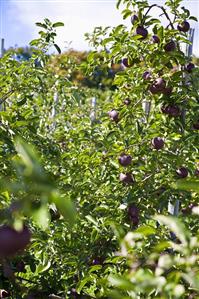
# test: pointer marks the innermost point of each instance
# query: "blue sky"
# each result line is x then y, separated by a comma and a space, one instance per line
17, 18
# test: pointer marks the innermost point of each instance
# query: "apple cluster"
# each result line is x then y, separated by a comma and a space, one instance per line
156, 84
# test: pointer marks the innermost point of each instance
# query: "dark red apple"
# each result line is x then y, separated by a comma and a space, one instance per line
142, 31
134, 19
158, 143
146, 75
133, 214
74, 294
125, 159
135, 220
153, 89
157, 86
189, 67
20, 267
114, 115
97, 261
167, 90
188, 210
182, 172
184, 26
171, 110
12, 241
133, 210
197, 172
126, 178
55, 215
174, 111
155, 39
170, 46
196, 125
160, 190
127, 101
126, 63
4, 294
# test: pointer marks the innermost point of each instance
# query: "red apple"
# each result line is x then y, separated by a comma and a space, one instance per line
157, 86
127, 101
146, 75
196, 125
170, 46
189, 67
134, 19
12, 241
182, 172
153, 89
158, 143
155, 39
171, 110
4, 294
184, 26
197, 172
133, 210
126, 63
126, 178
142, 31
20, 267
125, 159
135, 220
167, 90
114, 115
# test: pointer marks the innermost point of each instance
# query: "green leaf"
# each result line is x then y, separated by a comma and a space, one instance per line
64, 205
162, 246
57, 48
118, 3
187, 184
121, 283
41, 217
92, 220
28, 157
83, 283
114, 164
146, 230
117, 295
22, 102
41, 25
193, 18
58, 24
42, 268
95, 268
126, 13
192, 279
107, 40
34, 42
176, 226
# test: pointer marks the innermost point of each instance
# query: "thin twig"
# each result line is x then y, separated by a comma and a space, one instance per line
5, 96
164, 11
24, 279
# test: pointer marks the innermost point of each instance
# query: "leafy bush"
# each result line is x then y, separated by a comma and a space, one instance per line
86, 170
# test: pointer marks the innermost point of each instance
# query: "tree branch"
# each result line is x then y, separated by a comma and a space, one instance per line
5, 96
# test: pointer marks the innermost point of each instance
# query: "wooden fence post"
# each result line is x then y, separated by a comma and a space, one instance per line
173, 209
2, 50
